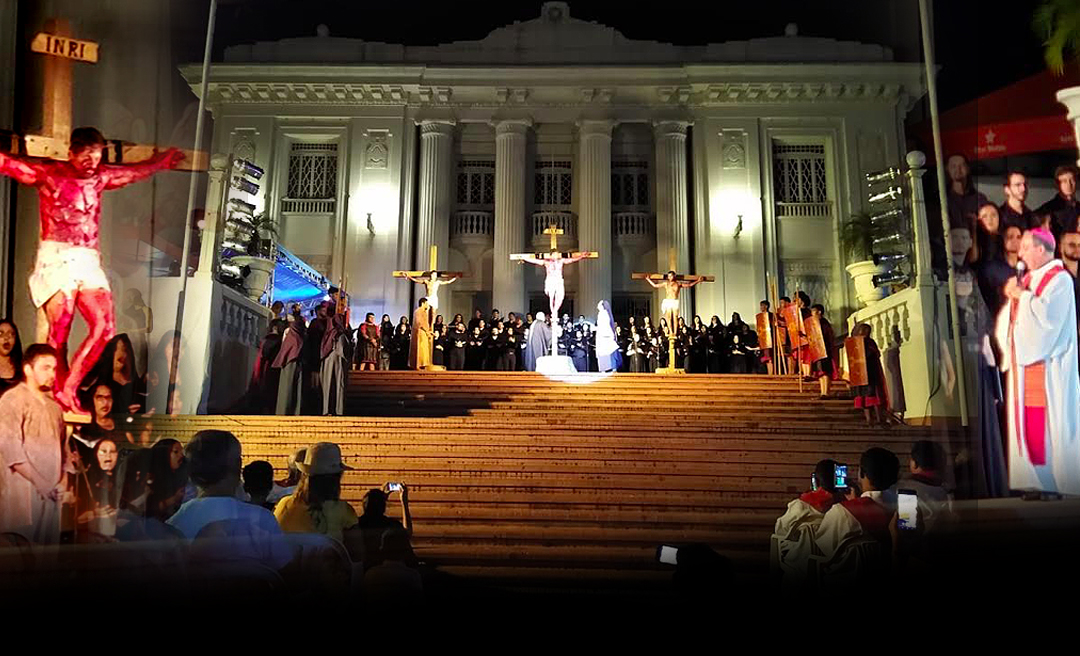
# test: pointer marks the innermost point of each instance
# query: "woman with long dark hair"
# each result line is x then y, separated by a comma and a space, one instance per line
167, 480
97, 492
116, 368
386, 339
11, 373
399, 348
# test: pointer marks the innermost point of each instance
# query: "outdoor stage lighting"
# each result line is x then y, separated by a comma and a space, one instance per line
889, 195
890, 278
233, 270
887, 215
245, 185
889, 258
242, 206
888, 174
888, 239
247, 168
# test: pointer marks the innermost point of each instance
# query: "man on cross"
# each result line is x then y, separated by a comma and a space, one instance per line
553, 263
669, 307
432, 283
68, 274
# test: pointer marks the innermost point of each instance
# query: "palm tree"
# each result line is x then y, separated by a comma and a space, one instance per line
1058, 23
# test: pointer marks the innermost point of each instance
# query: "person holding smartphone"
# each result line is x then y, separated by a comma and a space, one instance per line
864, 516
374, 523
794, 530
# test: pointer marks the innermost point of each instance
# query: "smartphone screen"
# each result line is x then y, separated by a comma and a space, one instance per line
841, 476
667, 554
907, 506
393, 487
813, 481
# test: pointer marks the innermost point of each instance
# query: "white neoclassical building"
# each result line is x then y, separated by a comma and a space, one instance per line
740, 158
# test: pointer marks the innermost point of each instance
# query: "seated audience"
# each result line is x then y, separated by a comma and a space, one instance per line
287, 485
794, 530
393, 582
926, 478
316, 506
214, 459
865, 515
258, 481
374, 523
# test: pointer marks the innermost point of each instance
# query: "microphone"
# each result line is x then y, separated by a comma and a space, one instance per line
1020, 269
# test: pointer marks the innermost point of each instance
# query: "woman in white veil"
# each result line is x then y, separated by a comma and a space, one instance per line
608, 357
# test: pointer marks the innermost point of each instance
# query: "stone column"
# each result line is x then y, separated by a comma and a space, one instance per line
213, 220
508, 294
433, 219
672, 226
594, 220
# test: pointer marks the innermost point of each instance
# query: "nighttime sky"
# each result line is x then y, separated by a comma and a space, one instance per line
972, 48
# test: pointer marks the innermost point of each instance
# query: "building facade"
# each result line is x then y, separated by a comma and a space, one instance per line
739, 160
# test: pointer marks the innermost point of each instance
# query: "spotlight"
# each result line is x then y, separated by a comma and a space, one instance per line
888, 239
247, 168
890, 194
890, 278
244, 185
888, 174
242, 206
887, 215
889, 258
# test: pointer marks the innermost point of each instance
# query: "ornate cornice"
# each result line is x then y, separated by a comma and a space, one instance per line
689, 86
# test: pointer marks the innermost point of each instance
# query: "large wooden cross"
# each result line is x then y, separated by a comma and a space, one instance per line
61, 52
681, 281
431, 279
553, 262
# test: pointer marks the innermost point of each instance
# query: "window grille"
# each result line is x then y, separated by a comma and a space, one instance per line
476, 183
554, 182
313, 173
630, 184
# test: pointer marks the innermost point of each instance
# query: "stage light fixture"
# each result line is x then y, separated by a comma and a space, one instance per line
242, 206
889, 258
887, 215
889, 195
247, 168
888, 239
244, 185
890, 278
888, 174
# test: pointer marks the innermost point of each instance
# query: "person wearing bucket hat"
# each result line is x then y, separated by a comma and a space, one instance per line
316, 506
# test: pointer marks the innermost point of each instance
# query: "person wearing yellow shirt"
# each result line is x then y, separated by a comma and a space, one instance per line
316, 506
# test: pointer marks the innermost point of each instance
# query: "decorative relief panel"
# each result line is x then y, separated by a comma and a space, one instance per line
733, 151
377, 153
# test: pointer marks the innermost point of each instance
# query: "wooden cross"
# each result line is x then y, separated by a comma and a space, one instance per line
682, 281
554, 231
61, 51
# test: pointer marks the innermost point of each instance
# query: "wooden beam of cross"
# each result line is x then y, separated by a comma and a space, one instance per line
554, 231
61, 51
433, 262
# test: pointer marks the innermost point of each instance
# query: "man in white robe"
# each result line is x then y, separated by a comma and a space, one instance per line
1037, 334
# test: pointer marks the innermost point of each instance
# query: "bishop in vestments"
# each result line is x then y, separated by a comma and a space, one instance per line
1037, 333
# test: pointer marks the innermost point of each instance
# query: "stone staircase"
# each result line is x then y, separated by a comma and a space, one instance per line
522, 481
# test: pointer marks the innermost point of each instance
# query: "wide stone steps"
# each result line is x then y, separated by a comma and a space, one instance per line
533, 483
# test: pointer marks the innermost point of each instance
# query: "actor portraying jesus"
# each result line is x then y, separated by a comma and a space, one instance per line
68, 275
669, 307
432, 283
420, 346
1037, 333
554, 288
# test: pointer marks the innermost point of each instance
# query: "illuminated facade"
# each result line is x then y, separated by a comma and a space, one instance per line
742, 157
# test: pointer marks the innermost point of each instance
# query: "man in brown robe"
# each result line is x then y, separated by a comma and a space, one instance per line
32, 457
420, 346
